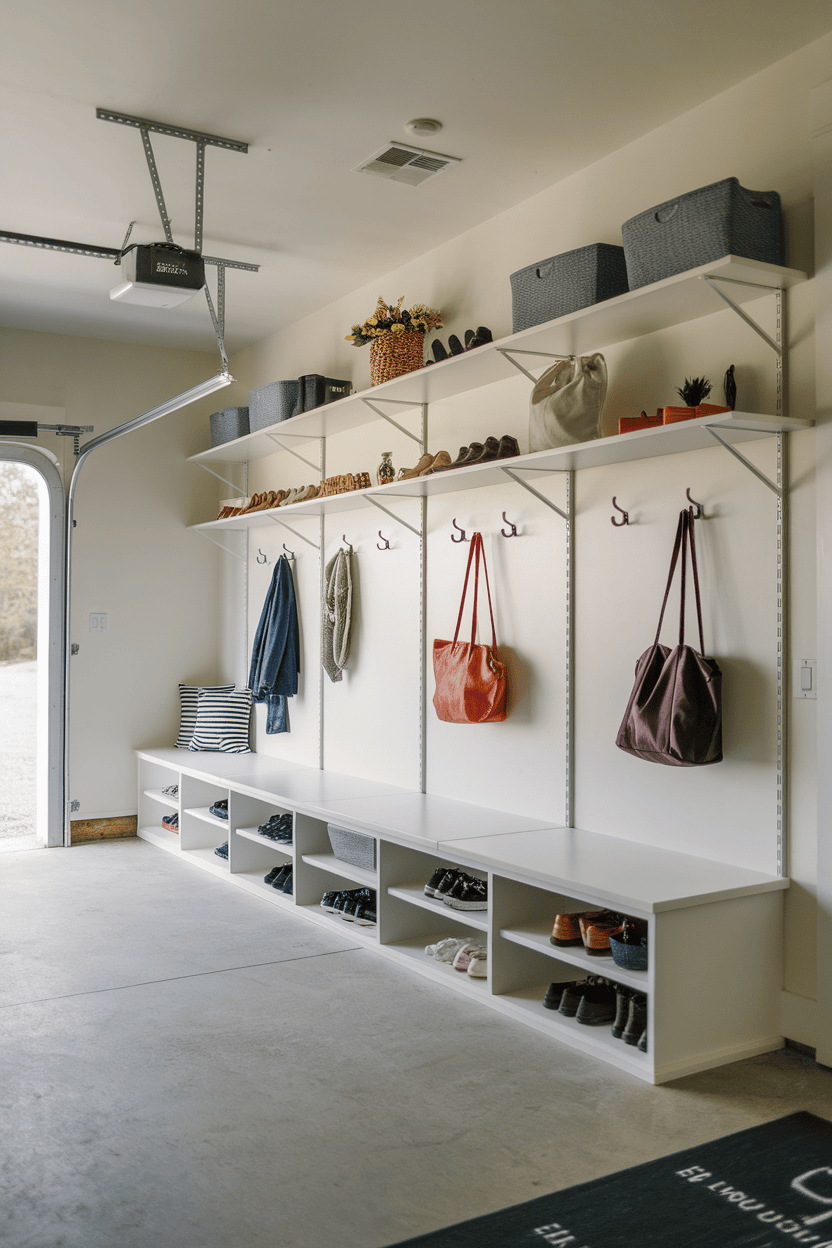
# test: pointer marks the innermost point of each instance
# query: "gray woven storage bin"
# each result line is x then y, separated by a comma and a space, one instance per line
352, 847
722, 219
272, 403
562, 284
230, 423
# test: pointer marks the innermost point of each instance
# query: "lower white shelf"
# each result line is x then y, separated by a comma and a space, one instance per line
415, 895
156, 795
412, 952
160, 836
252, 881
207, 858
526, 1004
350, 931
536, 936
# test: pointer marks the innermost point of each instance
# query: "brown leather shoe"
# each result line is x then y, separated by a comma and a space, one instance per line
466, 454
596, 932
442, 460
490, 450
566, 930
508, 447
423, 465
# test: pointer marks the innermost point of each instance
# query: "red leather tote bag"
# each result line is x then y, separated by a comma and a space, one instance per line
470, 679
674, 715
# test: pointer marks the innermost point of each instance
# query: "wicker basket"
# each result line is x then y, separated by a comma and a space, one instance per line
352, 847
629, 957
391, 355
562, 284
723, 219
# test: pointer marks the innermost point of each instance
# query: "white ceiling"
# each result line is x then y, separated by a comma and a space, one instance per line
528, 93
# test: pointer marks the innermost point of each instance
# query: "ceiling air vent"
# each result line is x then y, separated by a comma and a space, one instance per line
399, 163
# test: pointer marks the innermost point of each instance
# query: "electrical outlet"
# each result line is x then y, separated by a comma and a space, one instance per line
99, 622
804, 678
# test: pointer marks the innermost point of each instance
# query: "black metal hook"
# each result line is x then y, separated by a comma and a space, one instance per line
513, 528
290, 554
259, 553
464, 538
347, 544
618, 523
700, 510
386, 545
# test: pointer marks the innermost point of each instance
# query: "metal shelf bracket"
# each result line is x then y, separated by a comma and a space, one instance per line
283, 523
420, 438
547, 502
509, 353
224, 480
222, 545
392, 515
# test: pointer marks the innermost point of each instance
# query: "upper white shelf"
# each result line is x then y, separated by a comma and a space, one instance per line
685, 297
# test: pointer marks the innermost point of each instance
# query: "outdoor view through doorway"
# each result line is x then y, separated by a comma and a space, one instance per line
23, 571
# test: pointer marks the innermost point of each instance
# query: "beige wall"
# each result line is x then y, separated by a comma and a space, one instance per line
758, 132
132, 555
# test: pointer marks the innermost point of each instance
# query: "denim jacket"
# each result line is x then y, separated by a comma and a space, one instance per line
275, 655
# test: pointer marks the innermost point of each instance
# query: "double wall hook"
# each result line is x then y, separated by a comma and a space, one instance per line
386, 545
261, 558
290, 554
347, 544
512, 527
464, 537
618, 523
699, 511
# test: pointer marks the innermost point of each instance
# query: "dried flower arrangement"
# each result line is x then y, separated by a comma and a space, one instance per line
394, 319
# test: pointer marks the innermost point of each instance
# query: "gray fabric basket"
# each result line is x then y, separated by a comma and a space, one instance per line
229, 424
272, 403
722, 219
562, 284
352, 847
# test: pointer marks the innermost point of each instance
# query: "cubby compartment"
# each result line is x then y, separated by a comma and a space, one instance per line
153, 804
404, 873
249, 853
525, 916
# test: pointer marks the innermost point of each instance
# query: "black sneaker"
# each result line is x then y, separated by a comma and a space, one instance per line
356, 898
622, 1009
328, 900
473, 895
287, 883
436, 879
284, 872
220, 809
446, 883
275, 871
597, 1005
642, 1043
365, 916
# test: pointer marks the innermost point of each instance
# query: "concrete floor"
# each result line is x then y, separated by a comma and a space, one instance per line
183, 1067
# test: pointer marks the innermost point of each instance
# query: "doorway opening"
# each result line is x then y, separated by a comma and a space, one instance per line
31, 646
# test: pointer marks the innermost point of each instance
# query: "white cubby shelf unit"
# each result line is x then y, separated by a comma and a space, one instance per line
714, 974
715, 957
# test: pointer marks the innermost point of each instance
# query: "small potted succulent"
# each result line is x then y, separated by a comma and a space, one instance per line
692, 393
396, 336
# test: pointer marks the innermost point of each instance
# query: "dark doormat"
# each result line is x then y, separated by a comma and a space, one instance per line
767, 1187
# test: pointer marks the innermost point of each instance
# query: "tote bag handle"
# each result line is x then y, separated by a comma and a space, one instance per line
477, 550
684, 534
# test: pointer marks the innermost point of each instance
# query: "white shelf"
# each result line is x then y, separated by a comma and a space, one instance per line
160, 836
204, 813
527, 1005
252, 881
335, 866
688, 435
415, 895
207, 858
156, 795
412, 953
536, 936
251, 834
673, 301
350, 931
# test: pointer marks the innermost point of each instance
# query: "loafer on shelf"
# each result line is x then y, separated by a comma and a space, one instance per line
571, 998
442, 460
596, 933
423, 465
566, 930
508, 447
490, 451
597, 1005
554, 992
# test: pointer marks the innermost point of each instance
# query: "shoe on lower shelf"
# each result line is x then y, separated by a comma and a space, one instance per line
478, 966
554, 992
272, 875
597, 1005
462, 960
222, 850
447, 949
636, 1019
622, 1010
473, 895
283, 874
571, 998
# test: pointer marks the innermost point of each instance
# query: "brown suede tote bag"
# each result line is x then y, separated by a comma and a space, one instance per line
674, 715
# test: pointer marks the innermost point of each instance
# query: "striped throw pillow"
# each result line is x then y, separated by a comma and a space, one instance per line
188, 695
222, 721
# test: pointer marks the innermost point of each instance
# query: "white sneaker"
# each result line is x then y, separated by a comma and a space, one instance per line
465, 954
445, 950
478, 966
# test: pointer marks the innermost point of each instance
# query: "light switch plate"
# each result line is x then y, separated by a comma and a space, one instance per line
804, 678
99, 622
